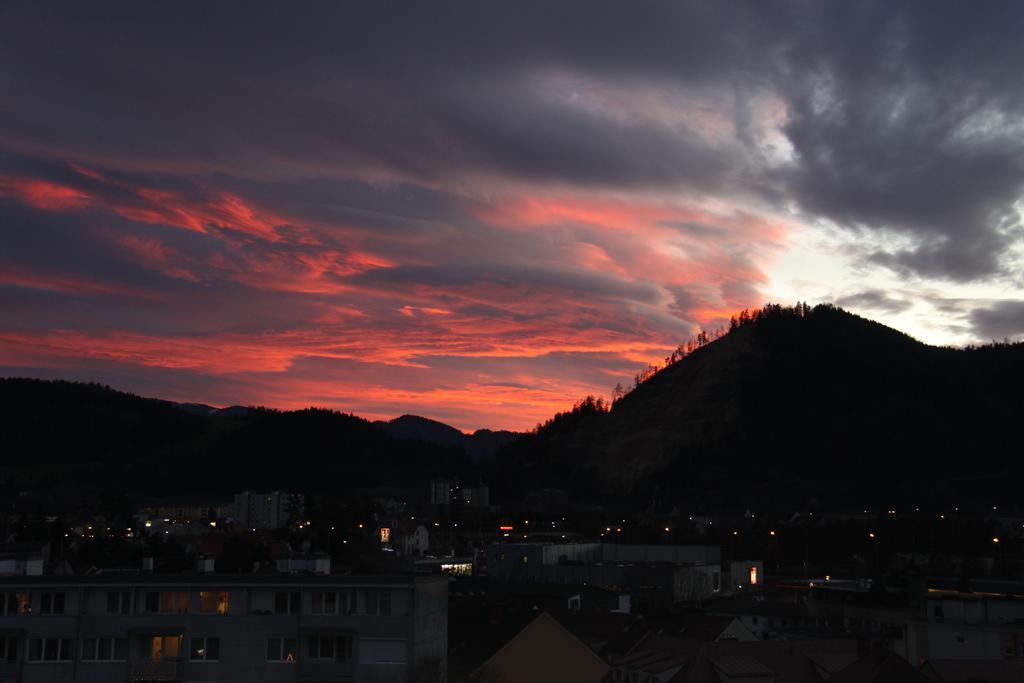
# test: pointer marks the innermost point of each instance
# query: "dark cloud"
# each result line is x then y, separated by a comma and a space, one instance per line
998, 321
570, 187
903, 117
875, 300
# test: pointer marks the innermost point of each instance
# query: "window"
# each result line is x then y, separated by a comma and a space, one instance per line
325, 603
205, 650
167, 602
104, 649
753, 576
213, 602
51, 603
15, 603
336, 648
347, 602
8, 649
287, 603
119, 602
378, 603
164, 647
282, 650
49, 650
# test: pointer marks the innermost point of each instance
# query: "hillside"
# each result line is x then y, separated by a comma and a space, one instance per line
800, 403
480, 445
75, 439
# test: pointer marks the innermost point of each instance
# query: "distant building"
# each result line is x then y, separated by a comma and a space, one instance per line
274, 510
23, 559
475, 496
187, 509
227, 628
439, 492
652, 574
411, 539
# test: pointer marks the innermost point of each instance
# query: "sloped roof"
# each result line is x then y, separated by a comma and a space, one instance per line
543, 652
883, 666
964, 670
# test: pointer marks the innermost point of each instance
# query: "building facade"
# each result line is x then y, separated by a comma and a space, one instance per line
274, 510
222, 628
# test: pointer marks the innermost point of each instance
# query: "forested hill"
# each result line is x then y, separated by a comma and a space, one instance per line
83, 437
799, 402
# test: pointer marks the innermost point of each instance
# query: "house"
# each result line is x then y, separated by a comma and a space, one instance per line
665, 659
881, 666
543, 652
410, 539
974, 670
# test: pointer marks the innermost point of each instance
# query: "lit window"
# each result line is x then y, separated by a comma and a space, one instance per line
385, 534
213, 602
13, 604
753, 576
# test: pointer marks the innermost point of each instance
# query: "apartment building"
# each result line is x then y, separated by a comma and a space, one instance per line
176, 628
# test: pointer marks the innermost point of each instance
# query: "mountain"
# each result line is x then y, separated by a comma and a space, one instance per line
73, 440
797, 403
480, 445
207, 411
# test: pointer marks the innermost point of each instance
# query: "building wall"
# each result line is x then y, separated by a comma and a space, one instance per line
384, 648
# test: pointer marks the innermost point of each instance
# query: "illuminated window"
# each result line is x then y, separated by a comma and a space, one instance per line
213, 602
164, 647
167, 602
385, 535
13, 604
753, 576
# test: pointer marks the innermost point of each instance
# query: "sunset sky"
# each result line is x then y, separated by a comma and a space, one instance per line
482, 211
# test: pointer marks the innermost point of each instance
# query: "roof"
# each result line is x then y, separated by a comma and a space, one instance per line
121, 579
964, 670
544, 652
739, 666
883, 666
703, 662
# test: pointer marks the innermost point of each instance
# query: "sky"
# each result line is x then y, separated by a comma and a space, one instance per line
482, 211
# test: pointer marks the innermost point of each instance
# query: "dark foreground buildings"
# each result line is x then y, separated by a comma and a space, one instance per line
256, 627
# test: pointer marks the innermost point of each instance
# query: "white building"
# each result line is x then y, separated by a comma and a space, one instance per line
274, 510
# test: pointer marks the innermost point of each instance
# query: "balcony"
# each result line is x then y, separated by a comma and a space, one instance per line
165, 670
